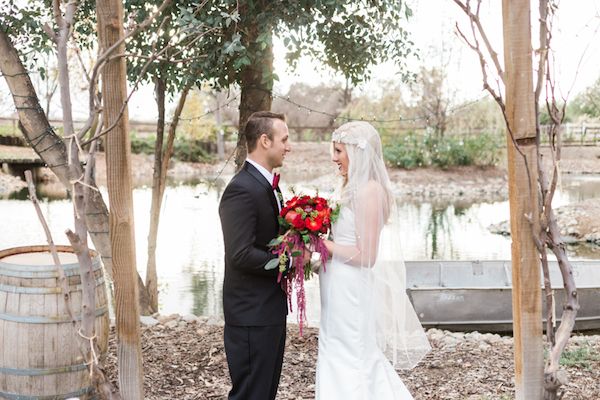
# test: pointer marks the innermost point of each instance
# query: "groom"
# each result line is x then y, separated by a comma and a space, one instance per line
253, 303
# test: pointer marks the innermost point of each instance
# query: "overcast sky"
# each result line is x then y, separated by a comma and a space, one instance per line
576, 46
433, 31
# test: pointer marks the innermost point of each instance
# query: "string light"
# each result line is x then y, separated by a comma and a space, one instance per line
336, 117
226, 105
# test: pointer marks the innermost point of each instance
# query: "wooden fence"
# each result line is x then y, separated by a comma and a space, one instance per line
581, 134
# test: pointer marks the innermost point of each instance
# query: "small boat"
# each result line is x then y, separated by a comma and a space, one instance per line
477, 295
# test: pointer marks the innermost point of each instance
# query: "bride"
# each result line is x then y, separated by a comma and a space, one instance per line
368, 325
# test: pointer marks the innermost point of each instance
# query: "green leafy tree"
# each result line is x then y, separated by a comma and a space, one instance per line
587, 103
348, 36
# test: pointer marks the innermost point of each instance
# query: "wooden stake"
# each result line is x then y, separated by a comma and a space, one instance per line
118, 169
523, 198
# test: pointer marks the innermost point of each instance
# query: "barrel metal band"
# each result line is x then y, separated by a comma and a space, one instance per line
40, 272
16, 396
42, 371
43, 290
47, 320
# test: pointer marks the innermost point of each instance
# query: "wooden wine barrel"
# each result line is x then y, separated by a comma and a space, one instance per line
40, 356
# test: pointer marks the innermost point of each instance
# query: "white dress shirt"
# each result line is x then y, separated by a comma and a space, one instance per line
268, 176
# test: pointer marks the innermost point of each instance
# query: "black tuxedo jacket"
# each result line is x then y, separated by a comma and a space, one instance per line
248, 211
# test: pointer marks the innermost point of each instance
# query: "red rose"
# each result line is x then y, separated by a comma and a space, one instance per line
321, 201
292, 202
314, 224
324, 213
290, 216
298, 222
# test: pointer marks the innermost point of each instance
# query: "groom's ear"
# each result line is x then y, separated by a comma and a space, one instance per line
264, 140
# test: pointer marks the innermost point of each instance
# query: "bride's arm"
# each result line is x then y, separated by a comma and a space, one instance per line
369, 220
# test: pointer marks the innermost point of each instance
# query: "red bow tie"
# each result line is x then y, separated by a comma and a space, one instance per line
275, 181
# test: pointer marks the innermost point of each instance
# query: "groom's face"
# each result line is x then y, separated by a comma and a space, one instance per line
280, 144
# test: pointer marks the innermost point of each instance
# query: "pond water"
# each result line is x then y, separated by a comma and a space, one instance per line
190, 248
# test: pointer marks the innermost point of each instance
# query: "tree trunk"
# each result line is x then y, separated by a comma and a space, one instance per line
48, 145
220, 133
256, 87
151, 277
168, 153
523, 199
118, 170
158, 190
51, 148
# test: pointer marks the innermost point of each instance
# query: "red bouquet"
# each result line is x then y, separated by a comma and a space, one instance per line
305, 221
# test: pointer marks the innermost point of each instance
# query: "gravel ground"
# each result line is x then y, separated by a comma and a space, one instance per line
184, 359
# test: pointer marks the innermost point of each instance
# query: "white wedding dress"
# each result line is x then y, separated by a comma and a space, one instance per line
350, 365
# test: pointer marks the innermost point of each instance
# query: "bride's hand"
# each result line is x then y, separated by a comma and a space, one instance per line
329, 245
315, 262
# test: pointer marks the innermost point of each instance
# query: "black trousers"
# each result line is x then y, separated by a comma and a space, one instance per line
255, 356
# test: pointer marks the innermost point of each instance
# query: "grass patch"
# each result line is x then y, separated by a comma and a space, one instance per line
581, 357
8, 130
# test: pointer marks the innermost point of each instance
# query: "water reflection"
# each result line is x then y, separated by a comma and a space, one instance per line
44, 191
190, 248
438, 225
206, 294
576, 188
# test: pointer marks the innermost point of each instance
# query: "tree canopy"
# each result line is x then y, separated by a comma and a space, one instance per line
348, 36
587, 102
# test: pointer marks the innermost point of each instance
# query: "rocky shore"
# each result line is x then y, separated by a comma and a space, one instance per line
578, 222
184, 359
10, 184
309, 163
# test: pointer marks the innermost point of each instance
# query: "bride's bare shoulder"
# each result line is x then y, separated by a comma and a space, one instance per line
372, 189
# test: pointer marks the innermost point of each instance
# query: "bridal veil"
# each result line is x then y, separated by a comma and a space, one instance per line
367, 192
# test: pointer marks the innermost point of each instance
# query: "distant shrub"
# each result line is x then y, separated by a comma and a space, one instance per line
413, 151
407, 152
184, 149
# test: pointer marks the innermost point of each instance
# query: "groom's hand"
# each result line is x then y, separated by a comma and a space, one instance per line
288, 267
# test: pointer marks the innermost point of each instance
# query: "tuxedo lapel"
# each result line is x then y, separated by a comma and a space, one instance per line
265, 184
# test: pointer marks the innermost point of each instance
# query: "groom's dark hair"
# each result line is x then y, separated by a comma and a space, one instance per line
258, 123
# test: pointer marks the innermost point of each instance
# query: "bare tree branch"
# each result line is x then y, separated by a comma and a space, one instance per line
62, 279
548, 236
103, 58
477, 22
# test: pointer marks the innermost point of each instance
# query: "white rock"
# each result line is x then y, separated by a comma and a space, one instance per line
190, 318
148, 321
163, 319
171, 324
484, 346
212, 320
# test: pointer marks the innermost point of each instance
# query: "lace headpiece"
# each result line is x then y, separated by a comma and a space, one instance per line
357, 133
